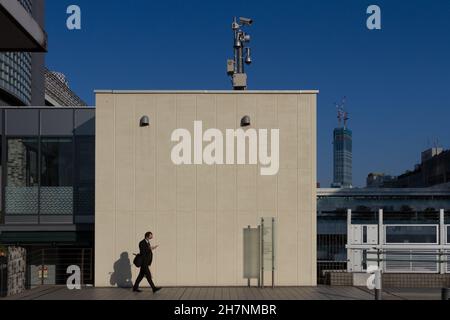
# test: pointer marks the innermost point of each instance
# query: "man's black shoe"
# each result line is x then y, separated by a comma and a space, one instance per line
156, 289
137, 290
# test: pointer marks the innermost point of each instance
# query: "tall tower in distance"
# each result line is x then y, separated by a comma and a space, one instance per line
342, 150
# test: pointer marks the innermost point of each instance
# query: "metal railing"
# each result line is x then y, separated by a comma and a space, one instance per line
331, 253
429, 266
325, 267
48, 266
405, 260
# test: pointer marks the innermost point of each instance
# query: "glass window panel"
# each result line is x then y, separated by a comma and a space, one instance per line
364, 234
448, 235
57, 162
85, 176
85, 122
56, 193
22, 176
85, 149
411, 234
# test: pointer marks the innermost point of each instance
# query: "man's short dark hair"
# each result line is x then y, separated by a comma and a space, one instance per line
147, 234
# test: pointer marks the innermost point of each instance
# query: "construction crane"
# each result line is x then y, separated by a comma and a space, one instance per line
342, 114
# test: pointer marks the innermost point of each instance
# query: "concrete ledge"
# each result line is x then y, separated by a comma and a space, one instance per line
339, 278
415, 280
24, 33
206, 91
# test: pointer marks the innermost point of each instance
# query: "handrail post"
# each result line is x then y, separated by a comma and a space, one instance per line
273, 253
442, 241
82, 266
445, 294
380, 235
349, 239
378, 285
42, 266
262, 253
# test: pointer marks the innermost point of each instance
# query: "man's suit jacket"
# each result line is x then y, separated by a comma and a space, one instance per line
146, 253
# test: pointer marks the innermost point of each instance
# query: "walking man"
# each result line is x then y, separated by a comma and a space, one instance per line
146, 257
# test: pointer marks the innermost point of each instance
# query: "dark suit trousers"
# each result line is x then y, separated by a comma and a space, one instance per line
144, 272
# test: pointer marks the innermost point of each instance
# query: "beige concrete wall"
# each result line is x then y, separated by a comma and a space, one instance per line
197, 213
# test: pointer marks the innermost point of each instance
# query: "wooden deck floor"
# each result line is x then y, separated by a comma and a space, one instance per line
225, 293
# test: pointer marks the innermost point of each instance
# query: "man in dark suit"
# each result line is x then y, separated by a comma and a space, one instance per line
146, 252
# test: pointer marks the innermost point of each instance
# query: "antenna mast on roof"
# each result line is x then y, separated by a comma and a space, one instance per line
242, 54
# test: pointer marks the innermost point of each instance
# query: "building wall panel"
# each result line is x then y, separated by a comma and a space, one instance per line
198, 212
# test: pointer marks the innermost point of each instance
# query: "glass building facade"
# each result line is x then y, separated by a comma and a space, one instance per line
15, 73
15, 76
47, 166
343, 157
27, 4
410, 216
47, 188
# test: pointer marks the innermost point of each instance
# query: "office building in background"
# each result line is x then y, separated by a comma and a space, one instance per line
410, 217
377, 180
22, 56
58, 92
342, 157
47, 174
47, 162
434, 170
342, 149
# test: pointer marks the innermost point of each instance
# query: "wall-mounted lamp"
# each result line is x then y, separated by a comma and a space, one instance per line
245, 121
145, 121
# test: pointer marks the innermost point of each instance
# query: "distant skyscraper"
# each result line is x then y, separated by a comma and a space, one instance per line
343, 154
342, 151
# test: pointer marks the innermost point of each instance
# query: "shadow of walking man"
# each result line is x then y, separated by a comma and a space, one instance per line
121, 277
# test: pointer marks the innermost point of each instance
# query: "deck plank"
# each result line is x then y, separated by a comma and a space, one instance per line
224, 293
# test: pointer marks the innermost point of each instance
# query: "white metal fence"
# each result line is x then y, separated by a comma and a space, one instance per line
399, 248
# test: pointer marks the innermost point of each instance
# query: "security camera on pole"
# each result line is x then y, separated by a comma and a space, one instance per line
242, 54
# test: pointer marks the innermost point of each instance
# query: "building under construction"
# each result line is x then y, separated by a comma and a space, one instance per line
342, 150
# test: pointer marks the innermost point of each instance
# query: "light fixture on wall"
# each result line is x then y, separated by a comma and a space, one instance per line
145, 121
245, 121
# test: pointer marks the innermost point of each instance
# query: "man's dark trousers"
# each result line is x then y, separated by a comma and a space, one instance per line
144, 272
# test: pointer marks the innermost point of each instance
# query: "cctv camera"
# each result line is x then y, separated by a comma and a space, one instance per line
246, 21
246, 37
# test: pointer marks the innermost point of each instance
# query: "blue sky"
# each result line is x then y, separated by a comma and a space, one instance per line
397, 80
